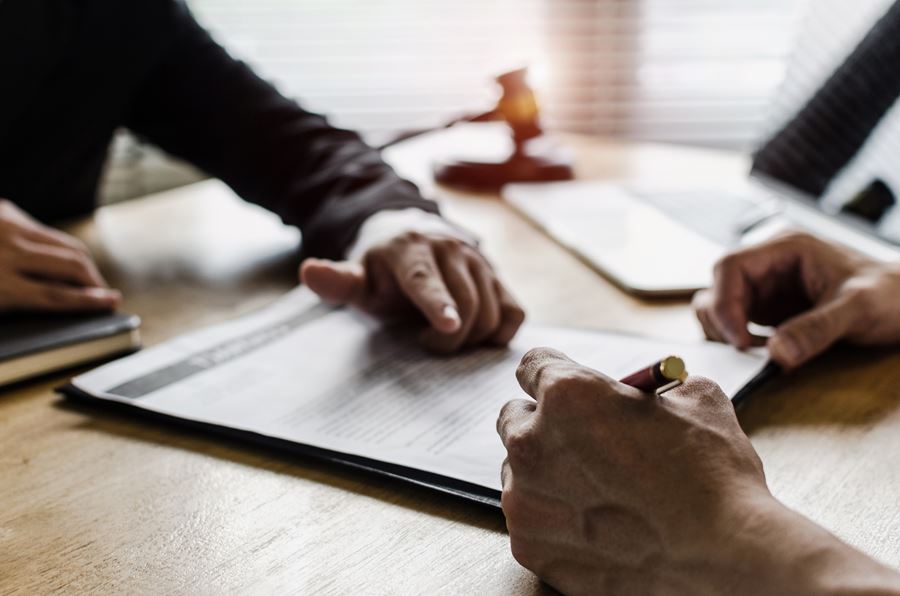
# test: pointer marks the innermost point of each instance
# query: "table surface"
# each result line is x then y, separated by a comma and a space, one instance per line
93, 501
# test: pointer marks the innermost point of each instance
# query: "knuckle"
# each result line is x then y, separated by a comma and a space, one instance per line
448, 242
535, 356
700, 392
795, 237
863, 306
521, 449
814, 329
410, 237
702, 388
562, 386
378, 255
401, 242
859, 294
79, 245
726, 263
475, 257
506, 414
575, 388
419, 272
78, 260
795, 336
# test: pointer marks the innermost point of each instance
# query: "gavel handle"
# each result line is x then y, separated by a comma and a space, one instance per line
411, 134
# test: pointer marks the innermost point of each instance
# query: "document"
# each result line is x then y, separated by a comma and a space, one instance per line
332, 379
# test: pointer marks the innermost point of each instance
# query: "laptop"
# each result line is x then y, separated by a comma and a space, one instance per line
663, 244
654, 242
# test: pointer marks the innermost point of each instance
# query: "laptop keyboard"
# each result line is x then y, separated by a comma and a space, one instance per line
719, 216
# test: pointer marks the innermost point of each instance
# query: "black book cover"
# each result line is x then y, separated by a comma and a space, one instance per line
22, 334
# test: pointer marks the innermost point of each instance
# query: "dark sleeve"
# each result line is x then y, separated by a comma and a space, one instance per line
205, 107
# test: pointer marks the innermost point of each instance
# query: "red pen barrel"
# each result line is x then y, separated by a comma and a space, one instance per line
666, 373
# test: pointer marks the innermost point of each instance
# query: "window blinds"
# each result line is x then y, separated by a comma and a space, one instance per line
695, 71
379, 66
687, 71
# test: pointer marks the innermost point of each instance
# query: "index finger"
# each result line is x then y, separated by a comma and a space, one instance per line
534, 366
551, 377
61, 264
512, 416
416, 271
730, 299
46, 235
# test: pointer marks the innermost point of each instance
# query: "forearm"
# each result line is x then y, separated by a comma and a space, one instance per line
775, 550
202, 105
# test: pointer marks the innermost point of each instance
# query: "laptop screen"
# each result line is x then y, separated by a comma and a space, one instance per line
833, 129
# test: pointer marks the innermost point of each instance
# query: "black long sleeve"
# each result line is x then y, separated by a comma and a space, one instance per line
94, 65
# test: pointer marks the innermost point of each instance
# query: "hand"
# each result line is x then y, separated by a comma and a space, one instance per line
815, 293
607, 486
441, 278
610, 490
41, 268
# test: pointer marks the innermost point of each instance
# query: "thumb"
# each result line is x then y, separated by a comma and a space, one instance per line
803, 337
335, 282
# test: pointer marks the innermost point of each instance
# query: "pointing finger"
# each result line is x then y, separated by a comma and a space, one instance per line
61, 264
417, 273
455, 269
66, 298
728, 311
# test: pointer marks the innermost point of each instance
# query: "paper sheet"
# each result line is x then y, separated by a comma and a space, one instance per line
332, 379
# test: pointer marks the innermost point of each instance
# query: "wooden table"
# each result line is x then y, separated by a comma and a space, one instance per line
94, 502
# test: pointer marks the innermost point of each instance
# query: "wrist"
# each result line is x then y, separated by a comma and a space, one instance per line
763, 547
386, 225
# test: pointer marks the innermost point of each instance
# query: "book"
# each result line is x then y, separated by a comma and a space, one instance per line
33, 344
334, 385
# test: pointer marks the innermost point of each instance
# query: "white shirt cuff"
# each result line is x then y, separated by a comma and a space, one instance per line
384, 225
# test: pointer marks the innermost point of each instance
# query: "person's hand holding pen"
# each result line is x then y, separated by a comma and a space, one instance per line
608, 489
814, 293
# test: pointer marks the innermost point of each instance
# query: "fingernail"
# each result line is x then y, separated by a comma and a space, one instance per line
103, 293
451, 314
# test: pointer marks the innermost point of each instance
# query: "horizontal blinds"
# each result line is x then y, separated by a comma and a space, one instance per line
709, 72
380, 65
695, 71
699, 71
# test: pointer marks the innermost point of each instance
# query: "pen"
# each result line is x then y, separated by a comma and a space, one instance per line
659, 377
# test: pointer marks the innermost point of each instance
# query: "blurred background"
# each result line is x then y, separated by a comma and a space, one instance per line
715, 73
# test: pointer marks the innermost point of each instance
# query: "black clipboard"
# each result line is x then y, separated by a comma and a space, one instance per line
467, 491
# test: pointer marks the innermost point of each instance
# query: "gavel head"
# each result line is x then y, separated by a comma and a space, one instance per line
518, 105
